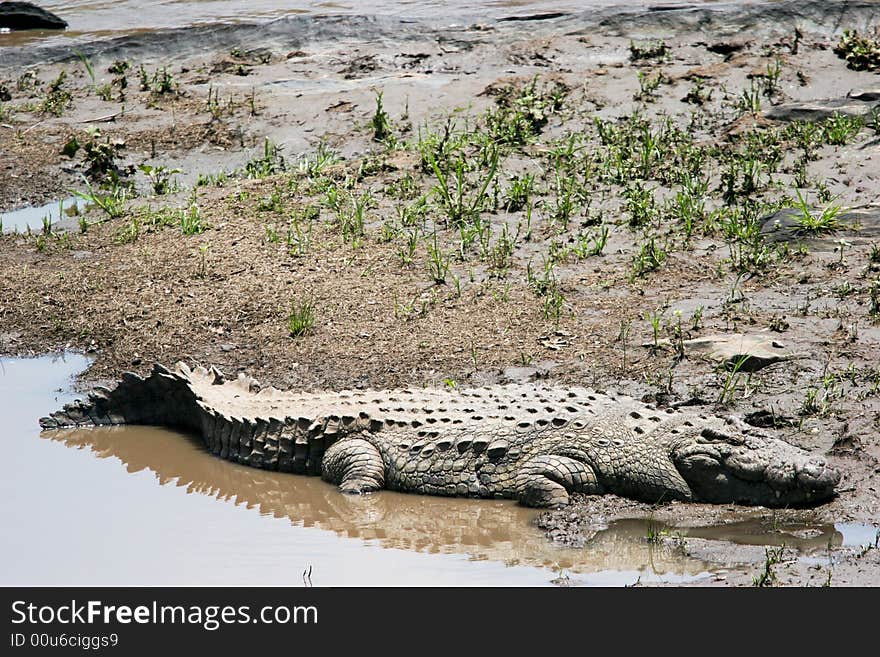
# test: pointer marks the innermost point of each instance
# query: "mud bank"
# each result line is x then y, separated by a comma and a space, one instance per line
576, 199
740, 546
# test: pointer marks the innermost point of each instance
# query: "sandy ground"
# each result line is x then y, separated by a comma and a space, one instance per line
417, 297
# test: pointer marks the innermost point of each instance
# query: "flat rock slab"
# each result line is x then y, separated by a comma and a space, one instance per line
747, 352
27, 16
819, 110
858, 225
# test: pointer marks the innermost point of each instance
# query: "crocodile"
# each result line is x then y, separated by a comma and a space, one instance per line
533, 443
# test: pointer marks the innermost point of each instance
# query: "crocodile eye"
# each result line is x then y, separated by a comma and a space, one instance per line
719, 436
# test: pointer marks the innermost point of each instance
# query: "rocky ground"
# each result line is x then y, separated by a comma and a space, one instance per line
612, 205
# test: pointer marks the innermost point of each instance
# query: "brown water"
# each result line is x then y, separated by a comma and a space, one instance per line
143, 505
101, 18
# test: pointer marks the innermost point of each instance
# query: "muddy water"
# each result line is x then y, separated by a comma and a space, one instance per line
97, 18
143, 505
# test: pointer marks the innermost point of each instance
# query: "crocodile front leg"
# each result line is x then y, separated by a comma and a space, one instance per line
547, 480
355, 465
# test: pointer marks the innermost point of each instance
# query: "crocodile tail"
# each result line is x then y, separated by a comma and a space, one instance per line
164, 397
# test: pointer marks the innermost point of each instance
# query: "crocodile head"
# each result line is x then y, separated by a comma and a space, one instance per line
741, 465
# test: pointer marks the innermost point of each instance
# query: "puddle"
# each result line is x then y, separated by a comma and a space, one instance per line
857, 535
174, 514
63, 215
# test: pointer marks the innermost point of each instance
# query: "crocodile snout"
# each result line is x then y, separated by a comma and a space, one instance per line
754, 469
815, 474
